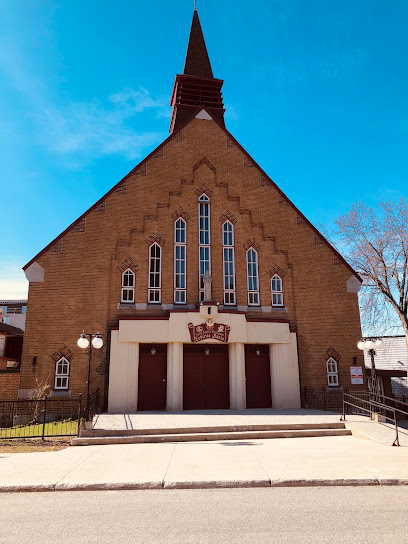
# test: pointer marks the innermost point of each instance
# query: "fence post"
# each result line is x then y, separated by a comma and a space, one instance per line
79, 412
45, 416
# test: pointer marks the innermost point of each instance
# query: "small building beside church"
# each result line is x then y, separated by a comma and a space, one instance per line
210, 289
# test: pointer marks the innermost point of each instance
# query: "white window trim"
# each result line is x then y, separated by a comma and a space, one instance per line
232, 247
64, 375
124, 288
204, 198
277, 277
332, 373
179, 244
153, 289
254, 291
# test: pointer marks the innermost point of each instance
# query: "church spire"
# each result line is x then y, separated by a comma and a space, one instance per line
196, 86
197, 62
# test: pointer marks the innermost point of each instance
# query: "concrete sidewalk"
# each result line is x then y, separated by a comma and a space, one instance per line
258, 463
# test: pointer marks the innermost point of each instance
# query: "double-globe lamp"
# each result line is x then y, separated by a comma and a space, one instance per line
84, 343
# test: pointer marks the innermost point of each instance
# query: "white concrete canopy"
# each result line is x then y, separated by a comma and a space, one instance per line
173, 331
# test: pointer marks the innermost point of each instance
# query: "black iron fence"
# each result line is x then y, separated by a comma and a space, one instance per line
321, 398
45, 418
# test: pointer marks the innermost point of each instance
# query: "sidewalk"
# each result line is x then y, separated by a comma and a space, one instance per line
338, 460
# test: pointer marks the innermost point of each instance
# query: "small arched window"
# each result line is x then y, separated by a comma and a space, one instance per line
252, 277
180, 249
332, 372
228, 262
128, 286
154, 296
61, 374
276, 290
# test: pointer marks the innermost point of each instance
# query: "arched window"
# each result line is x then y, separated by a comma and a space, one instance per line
154, 274
252, 277
332, 372
128, 286
204, 240
61, 374
228, 262
276, 291
180, 238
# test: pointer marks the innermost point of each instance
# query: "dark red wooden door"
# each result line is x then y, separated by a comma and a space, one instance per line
152, 377
258, 377
206, 377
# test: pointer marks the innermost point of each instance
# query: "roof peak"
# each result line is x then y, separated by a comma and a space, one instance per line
197, 62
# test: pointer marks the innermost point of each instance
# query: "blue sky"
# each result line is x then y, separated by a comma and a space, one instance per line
315, 90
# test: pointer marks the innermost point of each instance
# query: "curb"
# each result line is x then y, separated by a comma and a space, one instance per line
122, 486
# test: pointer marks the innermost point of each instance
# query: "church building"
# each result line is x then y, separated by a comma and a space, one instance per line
209, 288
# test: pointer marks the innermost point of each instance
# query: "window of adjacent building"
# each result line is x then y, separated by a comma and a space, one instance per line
128, 286
276, 291
204, 240
24, 310
61, 374
228, 262
154, 274
252, 275
332, 372
180, 228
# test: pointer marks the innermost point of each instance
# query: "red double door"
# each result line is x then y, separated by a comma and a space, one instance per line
206, 377
258, 376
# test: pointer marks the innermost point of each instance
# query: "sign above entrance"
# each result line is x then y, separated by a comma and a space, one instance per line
209, 331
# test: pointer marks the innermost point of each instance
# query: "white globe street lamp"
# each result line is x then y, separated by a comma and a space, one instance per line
369, 344
87, 340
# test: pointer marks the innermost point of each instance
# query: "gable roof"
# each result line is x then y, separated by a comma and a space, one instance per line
142, 163
391, 355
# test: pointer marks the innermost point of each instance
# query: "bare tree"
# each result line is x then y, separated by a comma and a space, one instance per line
38, 393
376, 243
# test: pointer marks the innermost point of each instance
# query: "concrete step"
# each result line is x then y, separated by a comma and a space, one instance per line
211, 429
198, 437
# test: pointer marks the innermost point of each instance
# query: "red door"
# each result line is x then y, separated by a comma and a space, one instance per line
258, 377
152, 377
205, 377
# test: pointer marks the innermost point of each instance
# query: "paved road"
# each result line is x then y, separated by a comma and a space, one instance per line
240, 516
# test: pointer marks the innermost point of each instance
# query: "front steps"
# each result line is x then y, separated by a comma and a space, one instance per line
197, 434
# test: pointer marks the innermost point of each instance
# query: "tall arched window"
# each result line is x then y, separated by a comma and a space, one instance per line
155, 274
276, 291
180, 238
228, 262
204, 240
128, 286
252, 277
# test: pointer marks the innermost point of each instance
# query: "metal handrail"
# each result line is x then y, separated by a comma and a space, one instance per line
374, 403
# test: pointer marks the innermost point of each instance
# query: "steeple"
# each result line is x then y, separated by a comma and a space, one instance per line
197, 62
196, 86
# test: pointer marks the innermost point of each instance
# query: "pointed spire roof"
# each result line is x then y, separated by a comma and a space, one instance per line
197, 62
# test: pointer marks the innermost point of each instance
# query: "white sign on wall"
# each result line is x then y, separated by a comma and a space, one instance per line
356, 375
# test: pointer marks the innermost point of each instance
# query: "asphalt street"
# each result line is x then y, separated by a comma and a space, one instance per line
332, 515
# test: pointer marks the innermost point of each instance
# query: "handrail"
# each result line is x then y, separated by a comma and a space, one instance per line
374, 403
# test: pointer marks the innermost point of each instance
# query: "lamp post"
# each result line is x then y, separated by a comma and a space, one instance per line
369, 344
87, 340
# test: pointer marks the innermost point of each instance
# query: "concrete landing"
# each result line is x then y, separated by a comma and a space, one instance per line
212, 418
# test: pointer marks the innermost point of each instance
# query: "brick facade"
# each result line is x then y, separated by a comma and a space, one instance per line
82, 284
